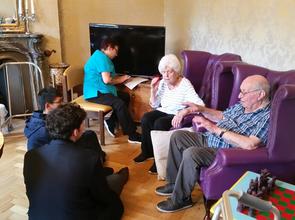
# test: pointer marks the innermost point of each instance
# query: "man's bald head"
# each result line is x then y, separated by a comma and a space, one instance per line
256, 82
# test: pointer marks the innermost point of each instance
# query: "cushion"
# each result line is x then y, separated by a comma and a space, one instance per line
160, 141
90, 106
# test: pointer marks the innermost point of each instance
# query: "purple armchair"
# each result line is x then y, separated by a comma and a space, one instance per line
276, 156
199, 67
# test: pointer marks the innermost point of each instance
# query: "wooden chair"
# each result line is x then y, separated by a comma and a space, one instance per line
73, 80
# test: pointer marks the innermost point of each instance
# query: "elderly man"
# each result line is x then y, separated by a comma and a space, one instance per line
243, 125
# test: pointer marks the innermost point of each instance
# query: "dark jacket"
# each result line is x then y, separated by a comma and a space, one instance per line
65, 182
35, 130
38, 135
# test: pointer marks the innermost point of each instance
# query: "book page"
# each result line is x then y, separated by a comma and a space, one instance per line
134, 81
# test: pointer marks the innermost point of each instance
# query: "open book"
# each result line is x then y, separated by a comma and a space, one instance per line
134, 81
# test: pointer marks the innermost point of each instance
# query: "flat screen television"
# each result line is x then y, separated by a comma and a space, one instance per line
140, 47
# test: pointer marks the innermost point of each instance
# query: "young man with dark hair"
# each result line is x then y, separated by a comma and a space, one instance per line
100, 79
48, 100
37, 134
65, 181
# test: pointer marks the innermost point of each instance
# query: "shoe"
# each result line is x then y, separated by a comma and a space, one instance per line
134, 138
170, 206
165, 190
110, 127
141, 158
117, 181
108, 171
153, 169
124, 173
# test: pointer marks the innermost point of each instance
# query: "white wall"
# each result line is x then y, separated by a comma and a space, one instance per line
262, 31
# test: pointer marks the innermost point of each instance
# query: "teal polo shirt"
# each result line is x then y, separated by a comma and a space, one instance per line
93, 82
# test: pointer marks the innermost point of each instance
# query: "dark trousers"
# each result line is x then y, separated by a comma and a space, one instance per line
154, 120
120, 109
89, 140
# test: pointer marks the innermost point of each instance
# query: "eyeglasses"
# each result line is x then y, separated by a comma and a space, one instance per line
245, 93
168, 71
116, 49
59, 101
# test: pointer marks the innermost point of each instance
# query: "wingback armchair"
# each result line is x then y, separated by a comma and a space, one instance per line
199, 67
278, 155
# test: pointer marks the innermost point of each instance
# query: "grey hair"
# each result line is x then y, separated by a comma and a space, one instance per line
170, 61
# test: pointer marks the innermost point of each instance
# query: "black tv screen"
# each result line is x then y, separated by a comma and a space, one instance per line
140, 47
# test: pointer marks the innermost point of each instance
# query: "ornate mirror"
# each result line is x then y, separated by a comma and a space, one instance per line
9, 16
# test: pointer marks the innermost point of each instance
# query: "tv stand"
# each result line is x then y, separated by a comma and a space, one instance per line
139, 99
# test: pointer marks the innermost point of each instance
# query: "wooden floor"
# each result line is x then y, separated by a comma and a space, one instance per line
138, 195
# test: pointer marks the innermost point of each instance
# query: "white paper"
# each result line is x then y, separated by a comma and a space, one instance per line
134, 81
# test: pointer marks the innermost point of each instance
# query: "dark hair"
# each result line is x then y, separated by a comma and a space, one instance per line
47, 95
62, 121
109, 41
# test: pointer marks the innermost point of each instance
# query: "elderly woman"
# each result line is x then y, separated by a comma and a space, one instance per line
167, 97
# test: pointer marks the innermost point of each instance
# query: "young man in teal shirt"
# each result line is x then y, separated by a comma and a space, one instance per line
99, 87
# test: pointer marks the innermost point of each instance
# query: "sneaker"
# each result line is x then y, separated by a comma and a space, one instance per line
134, 138
124, 173
170, 206
141, 158
165, 190
108, 171
153, 169
110, 127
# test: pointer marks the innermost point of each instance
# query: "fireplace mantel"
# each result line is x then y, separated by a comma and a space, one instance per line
19, 47
25, 44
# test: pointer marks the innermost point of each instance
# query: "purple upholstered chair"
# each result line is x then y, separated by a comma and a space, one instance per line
278, 155
208, 78
199, 67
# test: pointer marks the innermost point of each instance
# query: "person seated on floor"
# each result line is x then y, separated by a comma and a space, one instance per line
49, 99
99, 87
243, 125
167, 97
35, 131
65, 181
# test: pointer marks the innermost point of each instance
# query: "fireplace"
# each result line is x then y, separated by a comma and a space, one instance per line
20, 48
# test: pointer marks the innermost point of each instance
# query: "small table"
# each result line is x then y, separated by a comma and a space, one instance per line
242, 185
1, 143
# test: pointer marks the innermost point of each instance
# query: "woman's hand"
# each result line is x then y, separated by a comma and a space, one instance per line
123, 78
177, 119
155, 83
108, 79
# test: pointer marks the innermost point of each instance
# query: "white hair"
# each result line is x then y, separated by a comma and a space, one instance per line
170, 61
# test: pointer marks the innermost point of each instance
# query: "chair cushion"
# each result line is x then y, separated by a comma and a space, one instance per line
90, 106
160, 141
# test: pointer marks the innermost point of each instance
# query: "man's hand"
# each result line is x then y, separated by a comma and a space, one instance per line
194, 107
205, 123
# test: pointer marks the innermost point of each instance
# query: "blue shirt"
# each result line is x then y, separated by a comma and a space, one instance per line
236, 120
93, 82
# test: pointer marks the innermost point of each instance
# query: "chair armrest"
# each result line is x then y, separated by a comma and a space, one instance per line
187, 120
238, 156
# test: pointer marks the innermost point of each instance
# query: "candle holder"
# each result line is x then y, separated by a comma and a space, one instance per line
27, 18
